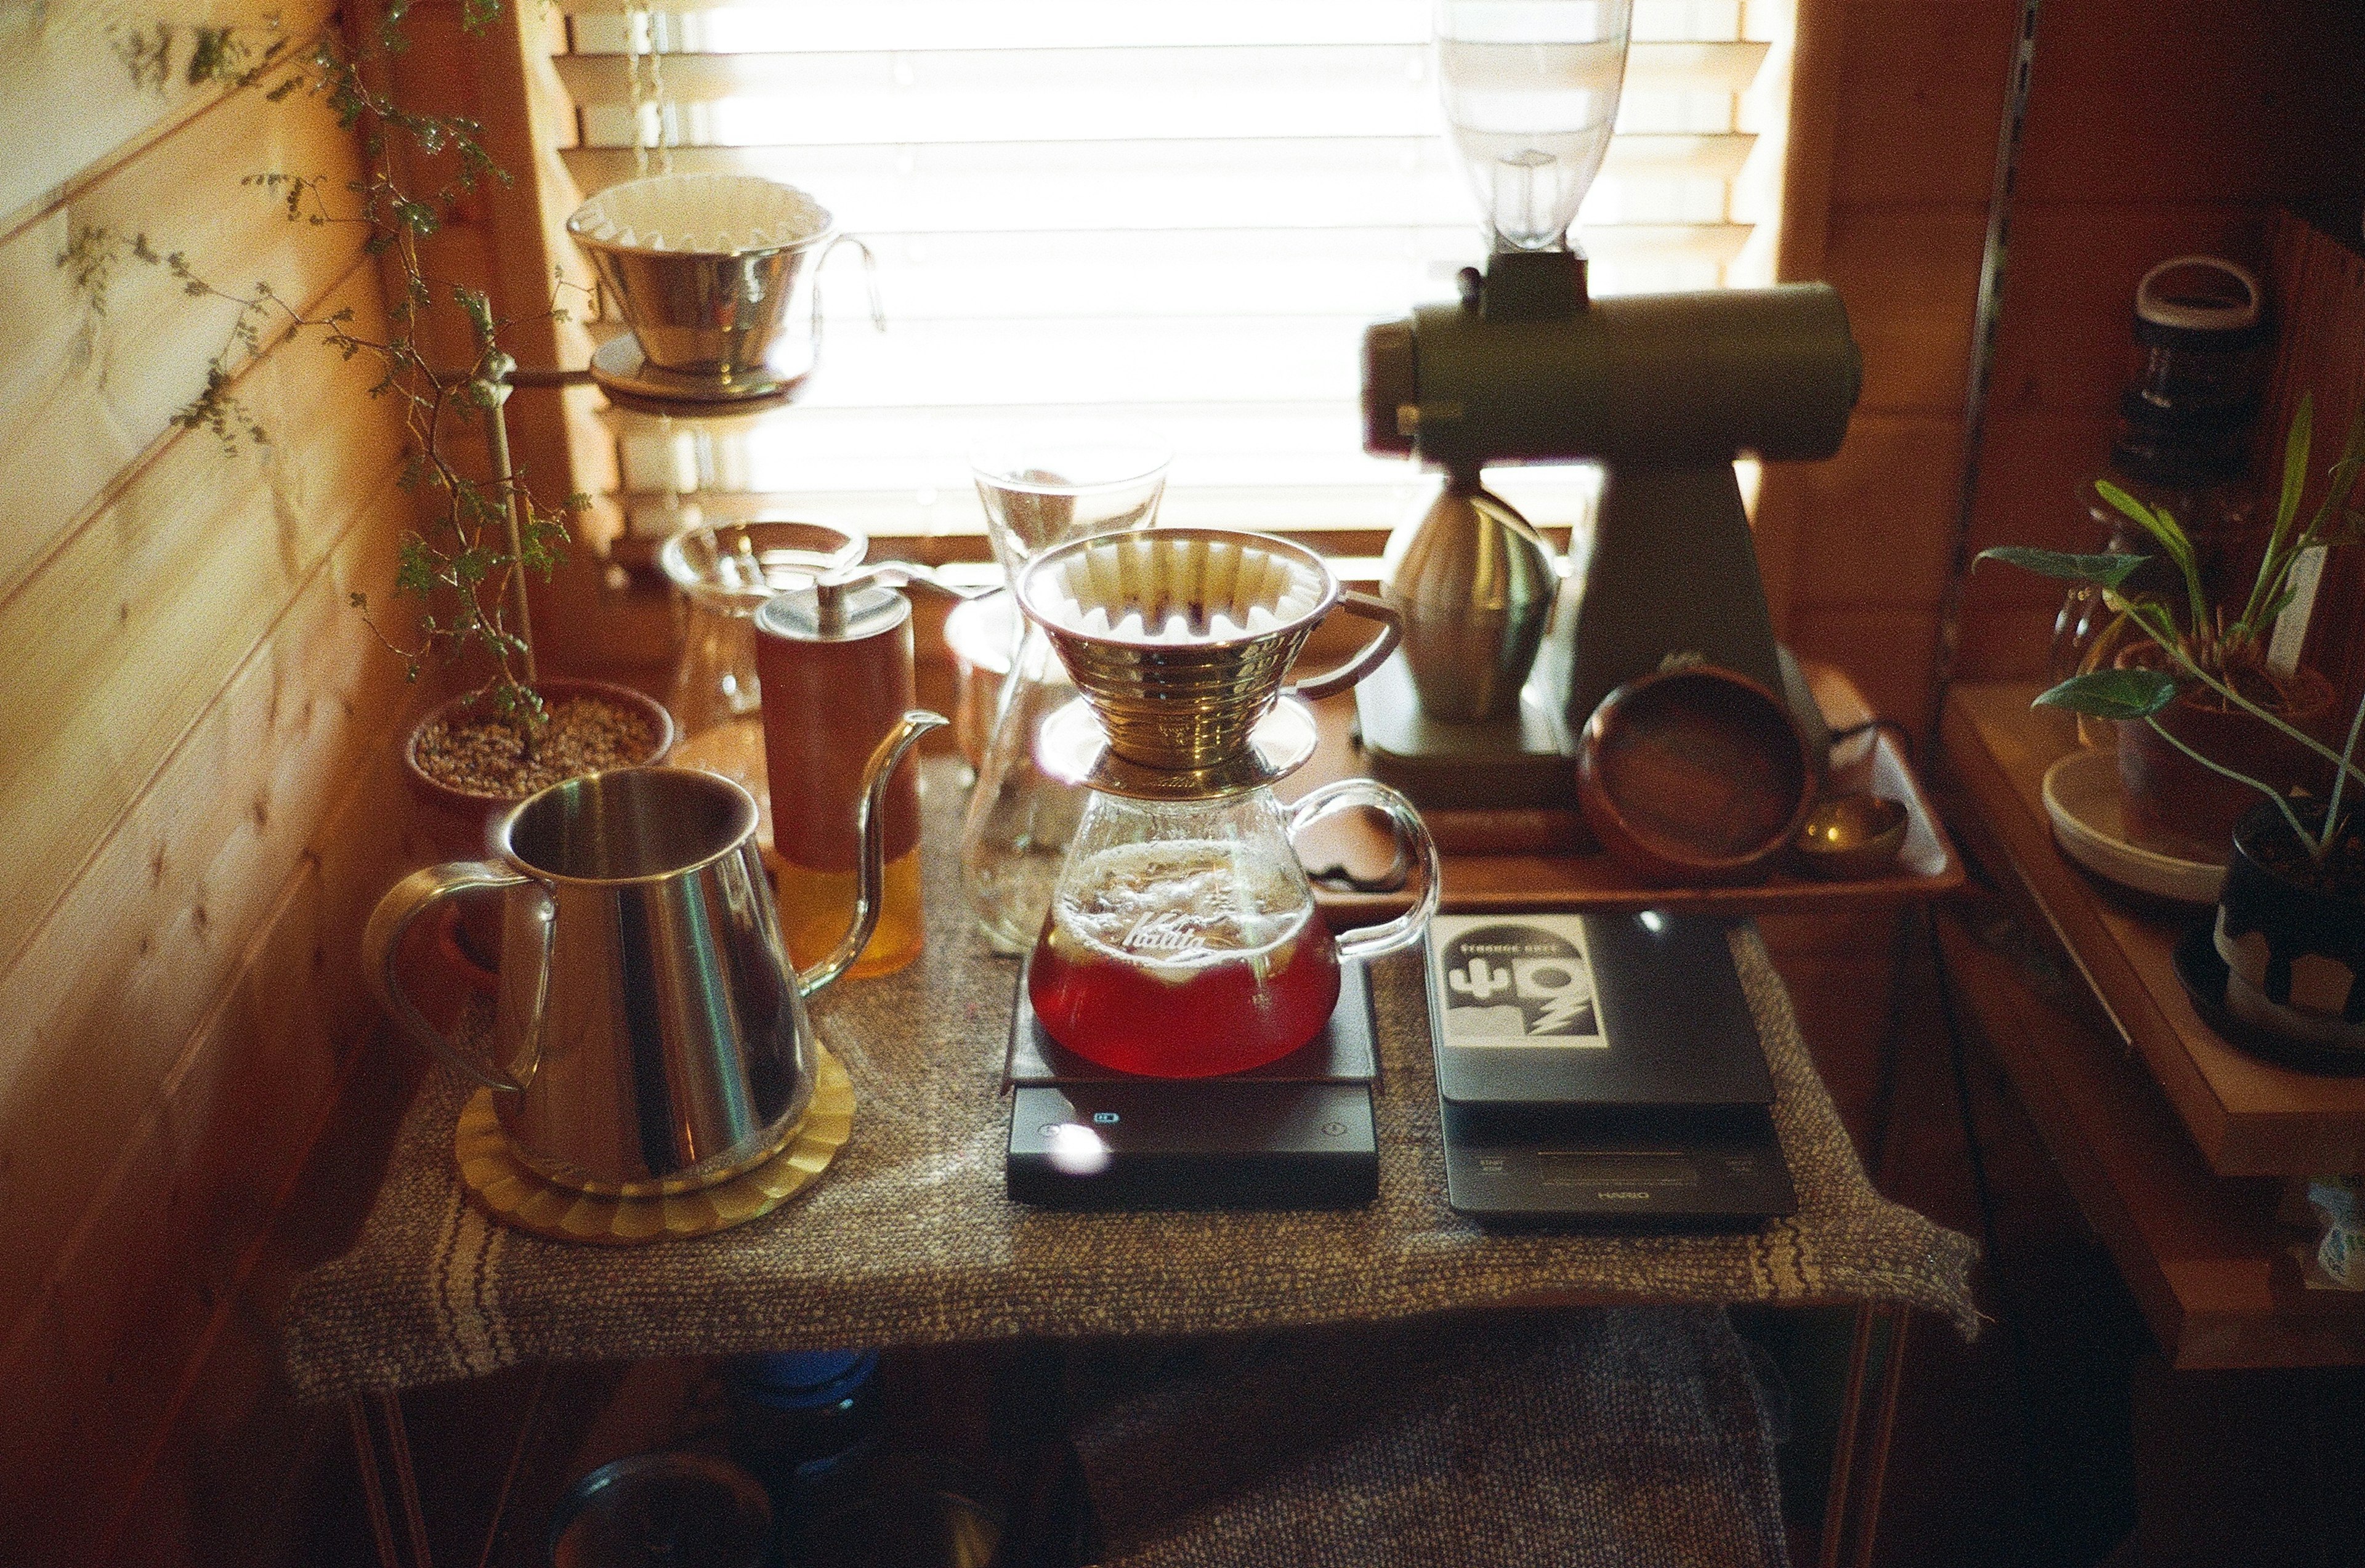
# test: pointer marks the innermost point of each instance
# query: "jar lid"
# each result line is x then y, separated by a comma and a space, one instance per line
2204, 302
807, 1380
662, 1511
830, 614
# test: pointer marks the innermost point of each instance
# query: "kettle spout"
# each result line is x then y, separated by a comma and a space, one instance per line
870, 827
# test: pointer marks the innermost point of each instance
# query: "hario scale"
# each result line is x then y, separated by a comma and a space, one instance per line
1601, 1069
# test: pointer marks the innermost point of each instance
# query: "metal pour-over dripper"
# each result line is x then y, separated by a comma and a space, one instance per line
1179, 641
701, 267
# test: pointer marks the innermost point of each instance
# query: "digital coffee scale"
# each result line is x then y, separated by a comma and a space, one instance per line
1296, 1135
1602, 1068
1592, 1070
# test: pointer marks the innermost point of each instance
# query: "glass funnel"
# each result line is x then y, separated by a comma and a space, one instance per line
1040, 490
1531, 90
726, 572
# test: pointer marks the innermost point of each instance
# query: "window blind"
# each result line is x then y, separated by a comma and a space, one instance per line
1180, 215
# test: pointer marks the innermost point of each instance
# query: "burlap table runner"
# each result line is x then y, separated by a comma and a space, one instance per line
908, 1239
1607, 1438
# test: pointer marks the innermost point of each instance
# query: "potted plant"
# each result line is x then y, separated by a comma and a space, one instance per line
463, 568
2191, 683
2290, 922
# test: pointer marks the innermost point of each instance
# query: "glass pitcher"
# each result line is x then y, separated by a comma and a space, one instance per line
1182, 939
1041, 488
726, 572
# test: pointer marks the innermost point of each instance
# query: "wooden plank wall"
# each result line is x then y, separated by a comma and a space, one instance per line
2155, 129
1895, 105
195, 777
1902, 169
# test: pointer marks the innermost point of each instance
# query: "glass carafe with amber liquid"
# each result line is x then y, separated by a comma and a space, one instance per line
1182, 939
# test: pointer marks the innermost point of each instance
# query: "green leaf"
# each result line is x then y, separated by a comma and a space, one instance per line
2107, 571
2295, 447
2113, 693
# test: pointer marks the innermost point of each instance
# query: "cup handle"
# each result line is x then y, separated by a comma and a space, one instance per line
1412, 835
382, 941
870, 280
1332, 683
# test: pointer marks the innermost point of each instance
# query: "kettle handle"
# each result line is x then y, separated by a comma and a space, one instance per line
1332, 682
870, 828
382, 942
1412, 834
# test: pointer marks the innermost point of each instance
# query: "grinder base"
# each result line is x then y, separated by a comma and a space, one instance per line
1520, 761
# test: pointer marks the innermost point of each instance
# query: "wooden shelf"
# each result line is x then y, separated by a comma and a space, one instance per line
2212, 1271
2247, 1117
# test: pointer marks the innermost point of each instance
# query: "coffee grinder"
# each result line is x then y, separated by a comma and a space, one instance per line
1664, 391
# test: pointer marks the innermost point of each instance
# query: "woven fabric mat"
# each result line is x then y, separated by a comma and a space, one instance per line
909, 1240
1628, 1436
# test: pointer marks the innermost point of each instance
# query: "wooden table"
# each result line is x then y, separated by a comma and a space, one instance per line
2179, 1149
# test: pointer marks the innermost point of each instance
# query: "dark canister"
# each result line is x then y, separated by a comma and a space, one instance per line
835, 664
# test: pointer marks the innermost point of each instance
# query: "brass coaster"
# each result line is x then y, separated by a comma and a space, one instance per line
514, 1195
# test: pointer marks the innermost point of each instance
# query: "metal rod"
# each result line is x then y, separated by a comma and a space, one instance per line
1835, 1496
1986, 322
405, 1480
1893, 1378
517, 1461
521, 376
373, 1485
496, 438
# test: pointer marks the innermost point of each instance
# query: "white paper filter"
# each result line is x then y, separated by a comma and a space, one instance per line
705, 214
1152, 589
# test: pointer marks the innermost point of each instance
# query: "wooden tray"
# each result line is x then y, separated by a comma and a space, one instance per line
1543, 859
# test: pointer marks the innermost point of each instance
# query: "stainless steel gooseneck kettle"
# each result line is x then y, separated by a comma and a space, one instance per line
650, 1035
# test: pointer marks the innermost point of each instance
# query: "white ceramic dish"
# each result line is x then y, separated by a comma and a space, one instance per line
2081, 796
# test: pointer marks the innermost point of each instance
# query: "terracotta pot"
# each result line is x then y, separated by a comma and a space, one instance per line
467, 814
2171, 799
459, 822
2294, 956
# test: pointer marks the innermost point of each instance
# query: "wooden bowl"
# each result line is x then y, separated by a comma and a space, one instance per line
1694, 775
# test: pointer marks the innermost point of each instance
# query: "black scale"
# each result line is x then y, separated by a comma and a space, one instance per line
1296, 1133
1592, 1069
1601, 1069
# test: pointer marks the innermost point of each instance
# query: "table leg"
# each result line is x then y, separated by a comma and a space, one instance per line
1851, 1512
373, 1477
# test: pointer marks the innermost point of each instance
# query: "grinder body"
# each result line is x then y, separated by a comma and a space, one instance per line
1665, 391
